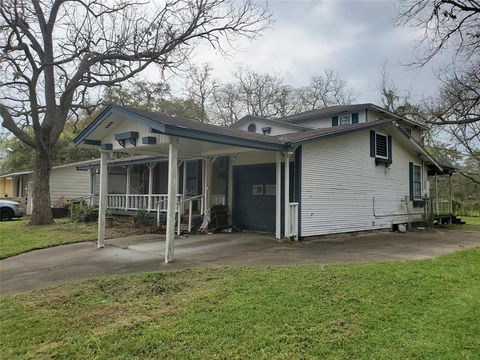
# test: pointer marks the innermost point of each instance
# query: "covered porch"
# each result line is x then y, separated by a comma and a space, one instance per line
183, 148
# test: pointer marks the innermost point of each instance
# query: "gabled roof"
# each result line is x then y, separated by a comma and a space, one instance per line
26, 172
177, 126
304, 136
344, 109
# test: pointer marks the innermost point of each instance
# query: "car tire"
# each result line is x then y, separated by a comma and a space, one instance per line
6, 214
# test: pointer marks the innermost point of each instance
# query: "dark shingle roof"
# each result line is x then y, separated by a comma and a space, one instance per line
330, 131
324, 112
201, 127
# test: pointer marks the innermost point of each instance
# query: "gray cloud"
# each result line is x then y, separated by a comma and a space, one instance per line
352, 37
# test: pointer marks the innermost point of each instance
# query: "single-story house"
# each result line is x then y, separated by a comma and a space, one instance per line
66, 182
338, 169
6, 187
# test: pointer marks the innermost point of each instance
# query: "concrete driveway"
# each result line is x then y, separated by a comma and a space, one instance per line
61, 264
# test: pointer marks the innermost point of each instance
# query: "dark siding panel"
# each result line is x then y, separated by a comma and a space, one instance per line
372, 143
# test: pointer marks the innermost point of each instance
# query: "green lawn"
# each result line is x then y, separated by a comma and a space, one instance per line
427, 309
17, 236
472, 224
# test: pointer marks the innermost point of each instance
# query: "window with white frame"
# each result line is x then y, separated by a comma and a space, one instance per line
345, 119
381, 146
417, 181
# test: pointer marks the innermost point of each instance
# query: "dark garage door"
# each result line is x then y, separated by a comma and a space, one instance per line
254, 197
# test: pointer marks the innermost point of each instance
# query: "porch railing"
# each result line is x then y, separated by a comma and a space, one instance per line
442, 207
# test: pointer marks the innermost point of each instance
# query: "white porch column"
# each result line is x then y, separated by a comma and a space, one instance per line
93, 182
150, 185
172, 198
102, 201
287, 195
127, 188
278, 196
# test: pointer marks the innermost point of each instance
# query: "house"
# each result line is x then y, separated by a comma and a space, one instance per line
339, 169
66, 182
6, 187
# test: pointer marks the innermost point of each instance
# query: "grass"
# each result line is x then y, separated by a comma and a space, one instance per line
17, 236
472, 224
427, 309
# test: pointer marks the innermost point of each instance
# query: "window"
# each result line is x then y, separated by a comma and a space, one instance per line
417, 181
345, 119
252, 127
381, 148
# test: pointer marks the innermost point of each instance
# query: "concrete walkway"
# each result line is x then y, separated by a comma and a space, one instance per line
61, 264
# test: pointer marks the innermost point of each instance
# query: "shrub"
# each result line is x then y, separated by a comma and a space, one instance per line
84, 213
142, 218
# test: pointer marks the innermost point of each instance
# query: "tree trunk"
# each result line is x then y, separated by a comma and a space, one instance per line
42, 213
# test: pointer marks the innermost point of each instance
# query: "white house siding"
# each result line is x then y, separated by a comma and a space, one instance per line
326, 122
253, 157
340, 179
69, 183
277, 128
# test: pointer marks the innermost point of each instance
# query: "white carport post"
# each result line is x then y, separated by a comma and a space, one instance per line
206, 183
278, 196
150, 185
172, 198
102, 201
287, 195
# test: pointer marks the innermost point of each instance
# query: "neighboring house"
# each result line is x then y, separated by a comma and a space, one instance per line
341, 169
65, 182
6, 187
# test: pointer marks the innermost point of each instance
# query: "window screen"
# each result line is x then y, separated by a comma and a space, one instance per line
417, 182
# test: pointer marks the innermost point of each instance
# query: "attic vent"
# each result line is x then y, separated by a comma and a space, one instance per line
252, 128
266, 130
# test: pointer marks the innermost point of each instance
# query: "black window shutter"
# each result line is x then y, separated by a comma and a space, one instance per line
372, 143
389, 144
355, 118
335, 121
410, 179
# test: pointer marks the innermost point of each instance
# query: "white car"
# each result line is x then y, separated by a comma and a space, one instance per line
10, 209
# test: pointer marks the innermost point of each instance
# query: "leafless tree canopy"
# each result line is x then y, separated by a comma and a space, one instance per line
54, 52
457, 109
446, 23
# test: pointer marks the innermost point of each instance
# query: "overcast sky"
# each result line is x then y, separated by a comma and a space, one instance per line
351, 37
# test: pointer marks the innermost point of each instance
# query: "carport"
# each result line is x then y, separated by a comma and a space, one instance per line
125, 130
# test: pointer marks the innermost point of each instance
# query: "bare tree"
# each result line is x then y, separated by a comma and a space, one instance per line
227, 106
200, 87
327, 89
54, 52
457, 109
446, 24
259, 92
